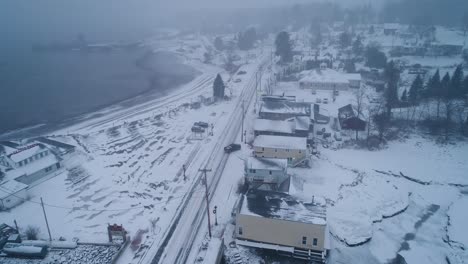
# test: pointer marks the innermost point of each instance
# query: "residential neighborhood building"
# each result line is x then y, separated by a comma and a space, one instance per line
391, 28
278, 222
266, 173
293, 149
12, 193
329, 79
28, 163
349, 119
297, 126
283, 110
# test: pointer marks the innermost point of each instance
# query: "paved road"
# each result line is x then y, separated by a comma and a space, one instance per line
176, 246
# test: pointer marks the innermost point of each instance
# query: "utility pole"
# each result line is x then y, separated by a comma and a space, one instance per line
216, 216
204, 171
243, 116
184, 168
47, 222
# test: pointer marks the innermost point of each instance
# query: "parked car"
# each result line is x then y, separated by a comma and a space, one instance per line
337, 136
336, 92
237, 80
318, 100
325, 100
201, 124
197, 129
241, 72
314, 91
232, 147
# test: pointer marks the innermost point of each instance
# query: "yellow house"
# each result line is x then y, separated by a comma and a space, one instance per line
293, 149
276, 221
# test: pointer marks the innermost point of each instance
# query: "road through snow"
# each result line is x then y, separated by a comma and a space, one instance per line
177, 244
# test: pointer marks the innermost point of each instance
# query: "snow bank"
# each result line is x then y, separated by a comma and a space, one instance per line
362, 205
458, 214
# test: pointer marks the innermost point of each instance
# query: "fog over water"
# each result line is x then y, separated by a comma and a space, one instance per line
44, 87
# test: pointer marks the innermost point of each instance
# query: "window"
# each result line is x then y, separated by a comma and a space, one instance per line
270, 172
314, 242
240, 231
304, 240
276, 150
253, 171
263, 149
30, 159
299, 151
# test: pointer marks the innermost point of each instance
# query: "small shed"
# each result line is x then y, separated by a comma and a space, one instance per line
12, 193
349, 119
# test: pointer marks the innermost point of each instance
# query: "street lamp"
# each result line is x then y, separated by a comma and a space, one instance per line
214, 212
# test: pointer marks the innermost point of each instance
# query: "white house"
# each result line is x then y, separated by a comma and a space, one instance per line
293, 149
329, 79
29, 163
12, 193
266, 173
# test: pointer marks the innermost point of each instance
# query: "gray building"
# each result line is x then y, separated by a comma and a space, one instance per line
283, 110
278, 222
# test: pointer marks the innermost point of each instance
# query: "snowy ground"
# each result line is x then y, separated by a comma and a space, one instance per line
401, 203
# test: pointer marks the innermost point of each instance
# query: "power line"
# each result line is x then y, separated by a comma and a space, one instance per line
10, 192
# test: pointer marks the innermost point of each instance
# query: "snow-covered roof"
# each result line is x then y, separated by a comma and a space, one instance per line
280, 142
302, 122
285, 107
282, 206
25, 152
32, 167
328, 76
391, 26
274, 126
11, 187
266, 164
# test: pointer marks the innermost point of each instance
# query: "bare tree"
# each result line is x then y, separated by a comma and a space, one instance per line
360, 97
32, 232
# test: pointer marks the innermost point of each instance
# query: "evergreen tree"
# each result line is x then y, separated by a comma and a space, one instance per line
218, 87
456, 83
349, 66
358, 47
433, 85
246, 40
218, 43
415, 90
445, 87
375, 58
284, 46
404, 96
392, 76
345, 39
465, 85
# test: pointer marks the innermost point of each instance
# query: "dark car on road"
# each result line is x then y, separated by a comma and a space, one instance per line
232, 147
201, 124
197, 129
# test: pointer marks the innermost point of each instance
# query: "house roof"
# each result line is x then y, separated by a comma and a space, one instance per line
10, 188
285, 107
328, 76
346, 111
281, 142
282, 206
25, 152
274, 126
266, 163
302, 122
32, 167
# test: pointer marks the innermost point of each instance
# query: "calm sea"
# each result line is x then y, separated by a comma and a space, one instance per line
47, 87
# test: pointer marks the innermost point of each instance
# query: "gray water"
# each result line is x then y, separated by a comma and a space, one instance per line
49, 87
